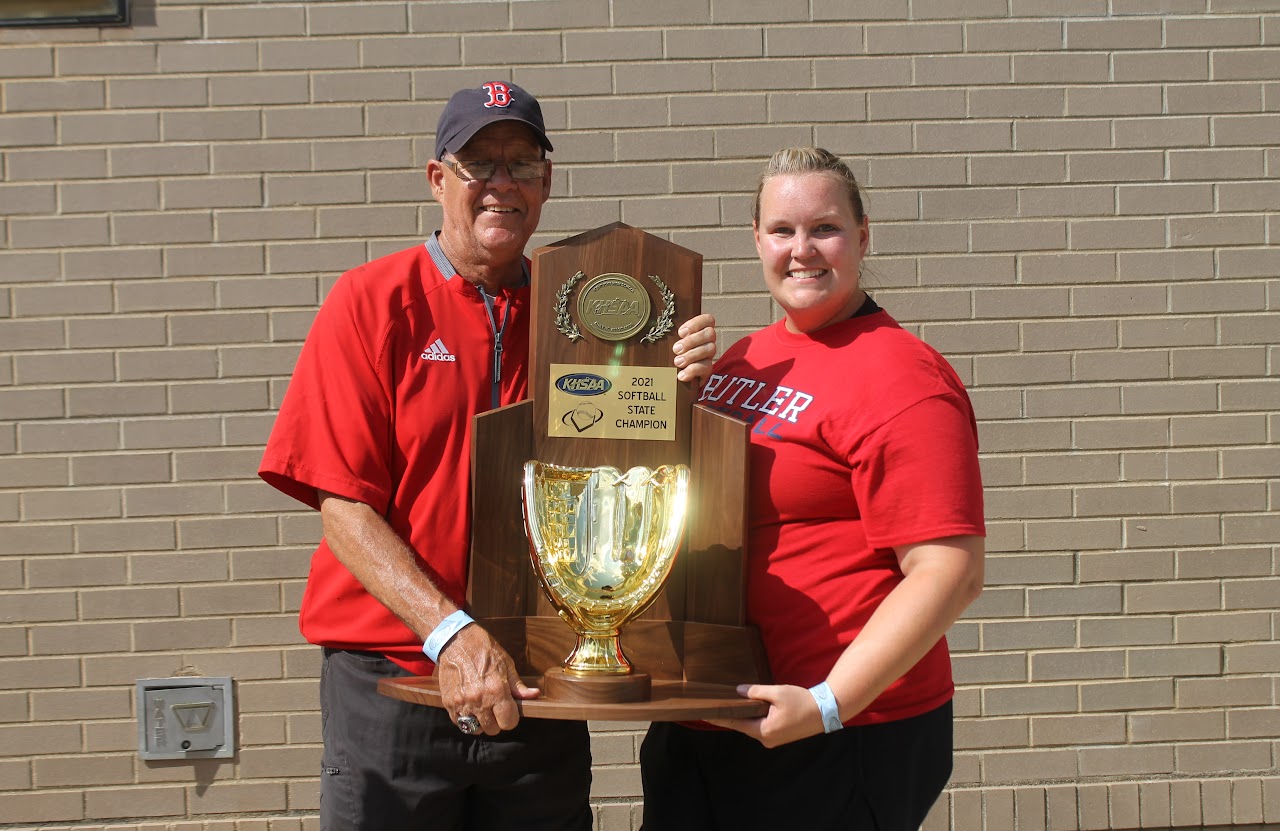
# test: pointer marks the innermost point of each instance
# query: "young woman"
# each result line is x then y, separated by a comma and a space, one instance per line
866, 542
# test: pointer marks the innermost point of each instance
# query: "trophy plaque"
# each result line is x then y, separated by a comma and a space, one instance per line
608, 510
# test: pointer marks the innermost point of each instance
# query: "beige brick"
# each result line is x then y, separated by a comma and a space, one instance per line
1117, 233
314, 256
171, 295
220, 327
1162, 132
369, 18
334, 87
1069, 665
38, 673
1223, 31
212, 125
278, 88
110, 803
684, 111
1224, 429
260, 157
645, 112
101, 128
226, 56
1215, 757
1224, 628
266, 224
77, 639
411, 119
30, 335
106, 59
230, 600
1180, 398
1077, 730
309, 54
1252, 462
313, 189
1127, 695
1217, 231
255, 22
218, 397
123, 264
114, 604
1249, 594
178, 500
1075, 600
1137, 366
167, 364
859, 73
1029, 766
57, 572
1252, 723
44, 806
27, 62
118, 399
162, 229
68, 436
1130, 631
38, 607
171, 567
98, 197
149, 93
181, 634
1243, 130
1049, 68
224, 531
59, 231
1165, 199
170, 433
30, 130
26, 96
79, 503
1161, 66
1219, 363
228, 192
1214, 98
367, 221
898, 105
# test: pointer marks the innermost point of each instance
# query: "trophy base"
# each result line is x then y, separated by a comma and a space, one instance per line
669, 701
562, 685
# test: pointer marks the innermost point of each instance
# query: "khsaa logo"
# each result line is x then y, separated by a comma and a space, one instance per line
583, 383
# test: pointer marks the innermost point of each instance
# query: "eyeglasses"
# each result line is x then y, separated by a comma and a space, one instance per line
480, 171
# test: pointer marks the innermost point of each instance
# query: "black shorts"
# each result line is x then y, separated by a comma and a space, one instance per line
878, 777
391, 765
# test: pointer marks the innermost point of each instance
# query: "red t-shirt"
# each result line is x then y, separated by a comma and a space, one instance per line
863, 439
379, 410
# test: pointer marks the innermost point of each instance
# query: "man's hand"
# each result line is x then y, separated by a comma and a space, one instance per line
477, 678
696, 349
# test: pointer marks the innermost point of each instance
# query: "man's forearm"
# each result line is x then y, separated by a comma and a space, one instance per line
383, 563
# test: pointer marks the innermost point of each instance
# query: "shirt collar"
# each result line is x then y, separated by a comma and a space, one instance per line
449, 272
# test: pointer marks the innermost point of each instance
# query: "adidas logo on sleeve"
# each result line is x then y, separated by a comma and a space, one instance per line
437, 351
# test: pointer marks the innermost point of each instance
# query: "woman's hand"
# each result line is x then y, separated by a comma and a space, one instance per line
793, 714
696, 349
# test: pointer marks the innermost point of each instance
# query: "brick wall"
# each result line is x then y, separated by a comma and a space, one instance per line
1079, 210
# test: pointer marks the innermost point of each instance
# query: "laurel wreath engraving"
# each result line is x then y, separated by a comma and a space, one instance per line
661, 326
665, 320
564, 321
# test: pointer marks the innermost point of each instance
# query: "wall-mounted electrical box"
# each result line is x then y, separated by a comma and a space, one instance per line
186, 718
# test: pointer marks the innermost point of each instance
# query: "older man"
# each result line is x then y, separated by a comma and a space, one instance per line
375, 432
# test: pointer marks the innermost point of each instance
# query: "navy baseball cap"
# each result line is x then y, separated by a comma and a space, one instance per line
471, 109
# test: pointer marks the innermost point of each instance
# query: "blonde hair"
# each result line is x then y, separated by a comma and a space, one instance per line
794, 160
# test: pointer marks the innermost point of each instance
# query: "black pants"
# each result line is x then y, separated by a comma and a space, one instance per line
391, 765
880, 777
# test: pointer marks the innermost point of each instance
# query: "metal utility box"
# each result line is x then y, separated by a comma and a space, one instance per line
186, 718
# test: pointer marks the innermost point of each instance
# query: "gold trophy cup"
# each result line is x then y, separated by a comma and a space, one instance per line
602, 543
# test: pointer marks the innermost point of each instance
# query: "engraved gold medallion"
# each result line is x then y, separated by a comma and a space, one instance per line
613, 306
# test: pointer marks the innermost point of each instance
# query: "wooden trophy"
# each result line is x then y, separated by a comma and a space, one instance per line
610, 498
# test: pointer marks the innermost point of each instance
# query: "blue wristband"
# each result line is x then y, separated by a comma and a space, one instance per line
828, 706
442, 634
